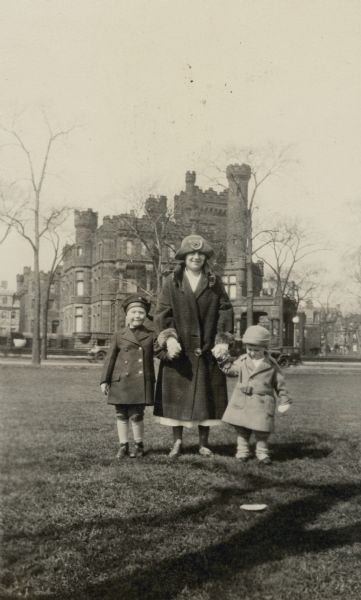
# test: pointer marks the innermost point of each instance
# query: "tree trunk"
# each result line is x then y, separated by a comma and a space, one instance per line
36, 329
249, 252
280, 333
36, 325
44, 339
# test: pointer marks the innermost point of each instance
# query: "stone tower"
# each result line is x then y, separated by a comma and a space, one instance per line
238, 177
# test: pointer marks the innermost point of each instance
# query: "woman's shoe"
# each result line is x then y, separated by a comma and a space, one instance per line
204, 451
138, 450
123, 451
176, 449
241, 457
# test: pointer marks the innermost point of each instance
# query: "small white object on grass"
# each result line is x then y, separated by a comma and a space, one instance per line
254, 507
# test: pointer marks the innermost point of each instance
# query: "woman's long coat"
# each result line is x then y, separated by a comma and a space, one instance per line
191, 387
129, 367
253, 402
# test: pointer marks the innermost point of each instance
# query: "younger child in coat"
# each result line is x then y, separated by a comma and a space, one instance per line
128, 374
252, 405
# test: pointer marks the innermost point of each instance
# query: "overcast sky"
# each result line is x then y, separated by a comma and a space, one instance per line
161, 87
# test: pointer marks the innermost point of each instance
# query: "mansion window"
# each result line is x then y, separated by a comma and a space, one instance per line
79, 251
78, 319
79, 283
4, 300
129, 248
230, 283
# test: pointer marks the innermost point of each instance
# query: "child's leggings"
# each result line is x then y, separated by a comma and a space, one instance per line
133, 413
261, 437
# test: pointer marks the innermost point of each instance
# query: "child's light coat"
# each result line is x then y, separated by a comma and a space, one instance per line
253, 402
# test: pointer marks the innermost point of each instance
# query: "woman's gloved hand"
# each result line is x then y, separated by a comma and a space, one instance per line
105, 388
173, 347
220, 351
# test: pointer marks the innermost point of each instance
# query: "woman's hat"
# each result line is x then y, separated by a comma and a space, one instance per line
194, 243
257, 335
136, 300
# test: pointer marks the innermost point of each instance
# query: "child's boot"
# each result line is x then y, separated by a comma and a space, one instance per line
262, 448
138, 450
123, 451
242, 454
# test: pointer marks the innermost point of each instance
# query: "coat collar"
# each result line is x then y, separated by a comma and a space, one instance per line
127, 334
201, 285
265, 365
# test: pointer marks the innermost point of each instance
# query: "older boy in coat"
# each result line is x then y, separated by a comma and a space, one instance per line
128, 374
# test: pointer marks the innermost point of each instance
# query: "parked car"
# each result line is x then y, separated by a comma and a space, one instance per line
286, 356
97, 352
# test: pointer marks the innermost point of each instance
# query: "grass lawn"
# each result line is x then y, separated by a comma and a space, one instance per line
78, 524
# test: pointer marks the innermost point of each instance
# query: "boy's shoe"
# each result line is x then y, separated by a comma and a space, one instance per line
265, 461
176, 449
241, 457
138, 450
123, 451
204, 451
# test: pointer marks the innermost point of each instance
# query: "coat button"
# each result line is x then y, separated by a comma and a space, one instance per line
139, 349
140, 372
198, 352
140, 360
126, 374
125, 362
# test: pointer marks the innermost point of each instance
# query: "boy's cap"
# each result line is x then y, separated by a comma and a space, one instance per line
136, 300
257, 335
194, 243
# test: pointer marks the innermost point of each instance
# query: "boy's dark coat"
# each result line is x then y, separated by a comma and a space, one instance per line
129, 368
192, 387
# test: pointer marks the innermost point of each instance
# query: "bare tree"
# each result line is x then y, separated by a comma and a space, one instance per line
27, 217
59, 253
152, 223
329, 314
306, 283
287, 245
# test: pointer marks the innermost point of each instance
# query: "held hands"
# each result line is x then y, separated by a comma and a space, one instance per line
104, 388
173, 347
220, 351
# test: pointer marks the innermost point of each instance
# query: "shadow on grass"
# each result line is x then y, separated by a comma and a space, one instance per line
282, 533
218, 449
298, 450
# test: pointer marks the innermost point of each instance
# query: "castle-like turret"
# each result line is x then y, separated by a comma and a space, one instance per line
190, 181
86, 223
238, 177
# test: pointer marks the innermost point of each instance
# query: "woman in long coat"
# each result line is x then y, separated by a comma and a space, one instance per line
193, 312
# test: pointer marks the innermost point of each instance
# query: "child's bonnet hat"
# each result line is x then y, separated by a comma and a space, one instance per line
257, 335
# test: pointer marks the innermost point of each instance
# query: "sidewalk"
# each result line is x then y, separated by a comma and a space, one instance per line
52, 361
